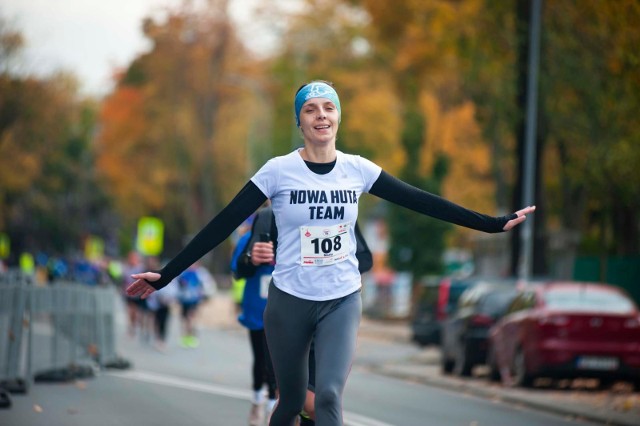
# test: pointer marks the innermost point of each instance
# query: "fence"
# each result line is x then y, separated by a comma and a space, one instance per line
623, 271
54, 333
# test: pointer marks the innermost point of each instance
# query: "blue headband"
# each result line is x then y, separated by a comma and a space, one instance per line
315, 90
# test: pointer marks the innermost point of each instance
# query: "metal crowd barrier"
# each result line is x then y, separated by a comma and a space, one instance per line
59, 332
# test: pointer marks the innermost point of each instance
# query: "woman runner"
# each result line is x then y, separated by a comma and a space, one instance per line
315, 290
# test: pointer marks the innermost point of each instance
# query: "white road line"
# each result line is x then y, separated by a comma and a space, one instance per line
177, 382
350, 419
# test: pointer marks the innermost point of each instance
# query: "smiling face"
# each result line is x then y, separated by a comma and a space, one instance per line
319, 120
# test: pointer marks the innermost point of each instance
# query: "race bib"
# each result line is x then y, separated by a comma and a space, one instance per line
324, 245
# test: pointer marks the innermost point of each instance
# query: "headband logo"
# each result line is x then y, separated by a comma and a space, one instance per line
318, 90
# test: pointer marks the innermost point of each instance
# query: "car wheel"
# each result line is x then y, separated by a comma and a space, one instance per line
462, 367
520, 375
606, 383
446, 363
492, 363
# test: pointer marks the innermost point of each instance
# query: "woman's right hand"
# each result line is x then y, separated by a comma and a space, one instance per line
141, 287
262, 253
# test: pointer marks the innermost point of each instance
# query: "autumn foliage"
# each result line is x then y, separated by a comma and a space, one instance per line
191, 119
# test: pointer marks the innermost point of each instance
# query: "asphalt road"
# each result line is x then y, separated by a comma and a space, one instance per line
210, 386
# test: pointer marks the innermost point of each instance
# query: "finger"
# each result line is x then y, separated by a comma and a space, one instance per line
526, 210
147, 292
149, 276
134, 289
137, 288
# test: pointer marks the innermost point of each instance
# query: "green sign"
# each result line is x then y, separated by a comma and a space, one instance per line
94, 248
150, 236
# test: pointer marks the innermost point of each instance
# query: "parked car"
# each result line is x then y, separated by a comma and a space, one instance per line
567, 330
436, 297
465, 333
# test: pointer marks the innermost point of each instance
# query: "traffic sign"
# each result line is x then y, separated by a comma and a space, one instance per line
150, 236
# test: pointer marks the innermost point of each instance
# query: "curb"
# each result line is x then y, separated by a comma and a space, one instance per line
577, 413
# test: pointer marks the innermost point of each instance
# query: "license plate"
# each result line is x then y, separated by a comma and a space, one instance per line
597, 363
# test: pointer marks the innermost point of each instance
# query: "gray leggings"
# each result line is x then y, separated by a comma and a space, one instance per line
291, 324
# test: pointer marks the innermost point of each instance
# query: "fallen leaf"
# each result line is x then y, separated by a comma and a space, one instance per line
627, 404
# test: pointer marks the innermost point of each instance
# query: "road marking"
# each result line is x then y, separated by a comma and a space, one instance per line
353, 419
177, 382
350, 419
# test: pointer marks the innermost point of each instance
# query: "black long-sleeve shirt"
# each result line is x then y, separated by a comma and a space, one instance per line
387, 187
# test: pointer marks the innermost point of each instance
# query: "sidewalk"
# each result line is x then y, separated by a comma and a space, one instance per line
619, 408
615, 408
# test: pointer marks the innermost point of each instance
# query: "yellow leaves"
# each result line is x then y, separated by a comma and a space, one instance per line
415, 34
372, 123
119, 160
456, 133
174, 132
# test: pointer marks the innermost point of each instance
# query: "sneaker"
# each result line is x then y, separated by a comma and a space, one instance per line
256, 416
193, 342
184, 341
306, 420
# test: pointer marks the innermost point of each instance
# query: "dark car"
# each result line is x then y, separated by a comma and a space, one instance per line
465, 333
435, 299
567, 330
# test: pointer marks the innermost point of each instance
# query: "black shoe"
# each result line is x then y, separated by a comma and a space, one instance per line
5, 399
306, 421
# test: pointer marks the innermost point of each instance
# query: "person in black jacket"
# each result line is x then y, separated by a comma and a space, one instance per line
257, 274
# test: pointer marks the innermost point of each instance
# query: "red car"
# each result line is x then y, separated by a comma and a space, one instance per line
567, 330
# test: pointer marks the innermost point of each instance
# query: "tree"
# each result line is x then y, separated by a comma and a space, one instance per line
587, 94
49, 199
409, 35
179, 109
592, 97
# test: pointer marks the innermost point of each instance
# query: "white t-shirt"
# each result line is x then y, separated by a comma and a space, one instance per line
315, 215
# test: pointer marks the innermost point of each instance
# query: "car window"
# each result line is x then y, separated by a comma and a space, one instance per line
529, 300
467, 298
516, 305
588, 299
496, 303
521, 302
455, 291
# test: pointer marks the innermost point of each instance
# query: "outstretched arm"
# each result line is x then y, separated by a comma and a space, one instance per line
217, 230
403, 194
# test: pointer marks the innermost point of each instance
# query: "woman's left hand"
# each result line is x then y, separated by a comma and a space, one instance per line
522, 215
